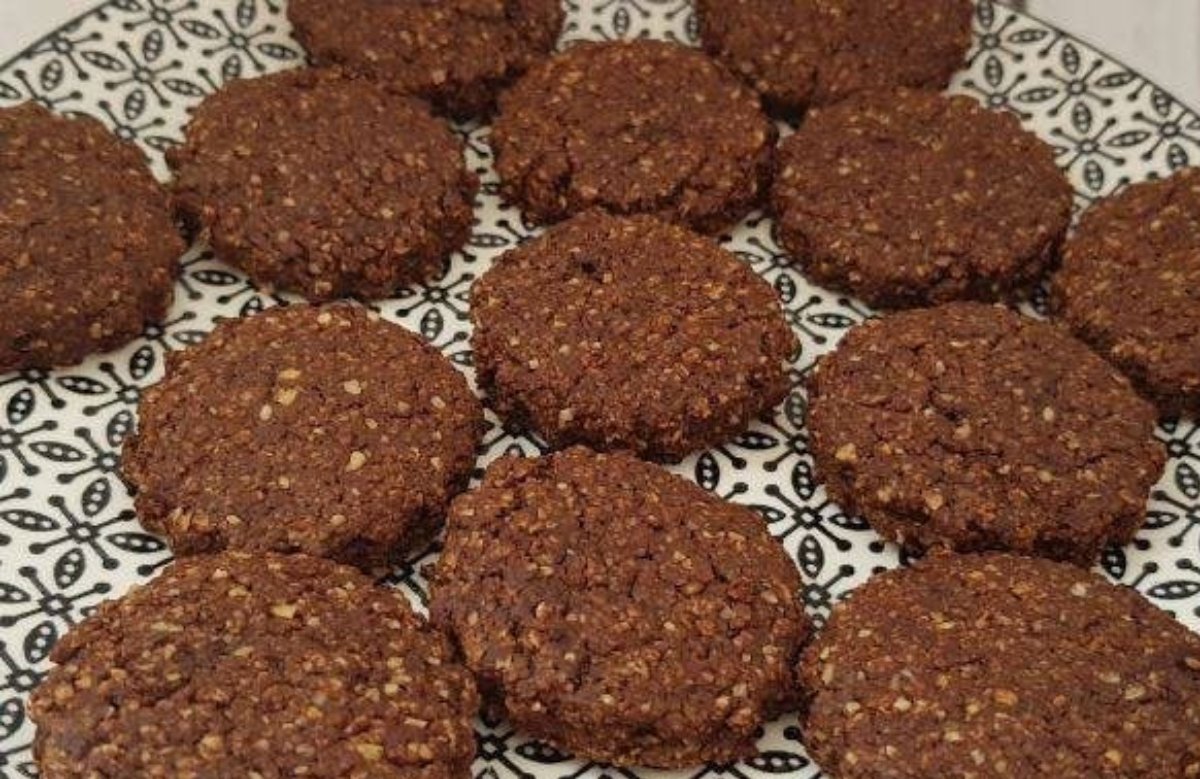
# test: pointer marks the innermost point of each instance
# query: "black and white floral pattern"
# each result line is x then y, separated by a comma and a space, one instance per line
68, 537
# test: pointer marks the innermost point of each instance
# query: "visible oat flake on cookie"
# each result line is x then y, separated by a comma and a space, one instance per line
255, 665
633, 127
455, 53
325, 185
88, 249
629, 333
972, 427
620, 612
1130, 287
319, 430
998, 666
798, 53
907, 198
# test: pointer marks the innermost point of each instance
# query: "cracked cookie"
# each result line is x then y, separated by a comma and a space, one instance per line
798, 53
996, 666
618, 611
629, 333
325, 185
972, 427
909, 198
88, 249
457, 54
1130, 287
255, 666
318, 430
633, 127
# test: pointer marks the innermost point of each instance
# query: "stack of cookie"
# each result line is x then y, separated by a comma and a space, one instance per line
593, 599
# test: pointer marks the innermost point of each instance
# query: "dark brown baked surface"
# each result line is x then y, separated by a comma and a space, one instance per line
457, 54
633, 127
239, 665
972, 427
629, 333
323, 184
1130, 287
88, 249
618, 611
908, 198
317, 430
999, 666
798, 53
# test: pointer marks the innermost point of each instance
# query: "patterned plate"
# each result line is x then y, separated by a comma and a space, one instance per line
68, 538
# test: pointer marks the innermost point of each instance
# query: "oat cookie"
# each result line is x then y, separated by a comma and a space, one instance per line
455, 53
618, 611
633, 127
798, 53
998, 666
972, 427
324, 185
629, 333
88, 250
908, 198
255, 666
317, 430
1130, 287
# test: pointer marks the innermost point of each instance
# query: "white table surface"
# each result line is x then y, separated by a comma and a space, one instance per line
24, 21
1160, 38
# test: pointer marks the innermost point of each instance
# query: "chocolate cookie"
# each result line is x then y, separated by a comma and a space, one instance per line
255, 666
618, 611
972, 427
1130, 286
999, 666
324, 431
88, 249
455, 53
633, 127
906, 198
798, 53
679, 344
325, 185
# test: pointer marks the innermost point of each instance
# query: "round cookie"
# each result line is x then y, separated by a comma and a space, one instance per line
907, 198
325, 185
1130, 287
972, 427
681, 344
457, 54
618, 611
88, 249
323, 431
998, 666
633, 127
798, 53
256, 666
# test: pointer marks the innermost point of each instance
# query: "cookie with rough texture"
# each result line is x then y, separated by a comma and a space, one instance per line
798, 53
907, 198
633, 127
88, 249
972, 427
318, 430
629, 333
618, 611
255, 666
325, 185
997, 666
1130, 287
457, 54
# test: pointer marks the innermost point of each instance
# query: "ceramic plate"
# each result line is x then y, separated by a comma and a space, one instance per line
68, 537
